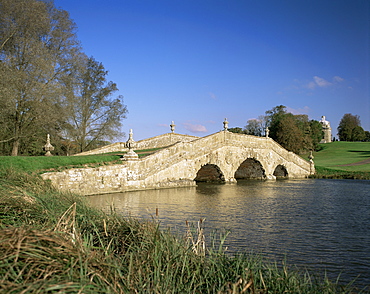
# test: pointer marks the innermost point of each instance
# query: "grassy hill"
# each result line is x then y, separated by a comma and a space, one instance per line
343, 160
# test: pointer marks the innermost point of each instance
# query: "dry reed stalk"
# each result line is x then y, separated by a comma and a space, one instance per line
243, 285
198, 246
67, 224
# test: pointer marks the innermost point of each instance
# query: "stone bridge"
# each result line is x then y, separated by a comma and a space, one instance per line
223, 157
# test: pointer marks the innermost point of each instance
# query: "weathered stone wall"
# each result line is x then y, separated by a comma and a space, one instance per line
178, 165
151, 143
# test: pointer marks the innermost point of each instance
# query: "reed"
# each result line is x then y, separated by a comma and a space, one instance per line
52, 242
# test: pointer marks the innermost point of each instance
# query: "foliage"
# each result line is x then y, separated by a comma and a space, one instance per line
294, 132
93, 114
43, 74
316, 134
255, 127
37, 47
358, 134
53, 242
273, 118
288, 134
349, 128
236, 130
367, 136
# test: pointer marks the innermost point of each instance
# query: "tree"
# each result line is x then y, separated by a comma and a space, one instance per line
294, 132
254, 127
273, 118
367, 136
358, 134
289, 135
347, 125
37, 48
94, 115
316, 134
236, 130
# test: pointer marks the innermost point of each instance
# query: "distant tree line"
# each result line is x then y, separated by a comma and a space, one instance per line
294, 132
49, 86
299, 134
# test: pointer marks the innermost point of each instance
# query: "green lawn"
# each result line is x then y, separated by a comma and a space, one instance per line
39, 164
334, 155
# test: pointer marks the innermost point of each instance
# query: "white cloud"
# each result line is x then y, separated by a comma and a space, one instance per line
311, 85
338, 79
321, 82
304, 110
195, 128
212, 95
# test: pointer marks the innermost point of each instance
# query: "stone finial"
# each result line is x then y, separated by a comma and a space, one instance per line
48, 147
267, 132
226, 124
130, 142
172, 125
310, 157
130, 155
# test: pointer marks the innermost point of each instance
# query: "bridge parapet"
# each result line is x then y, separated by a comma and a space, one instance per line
208, 146
150, 143
178, 165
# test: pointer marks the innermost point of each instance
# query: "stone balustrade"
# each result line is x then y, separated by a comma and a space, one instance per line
178, 164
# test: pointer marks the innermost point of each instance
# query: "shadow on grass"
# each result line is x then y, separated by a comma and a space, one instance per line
362, 153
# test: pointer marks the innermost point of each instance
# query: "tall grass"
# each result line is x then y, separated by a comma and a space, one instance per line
52, 242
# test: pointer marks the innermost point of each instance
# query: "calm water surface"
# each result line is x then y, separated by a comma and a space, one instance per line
320, 225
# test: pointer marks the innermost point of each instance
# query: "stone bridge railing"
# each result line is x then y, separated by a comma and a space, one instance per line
196, 148
178, 164
151, 143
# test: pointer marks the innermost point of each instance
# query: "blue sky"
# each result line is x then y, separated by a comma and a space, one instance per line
196, 62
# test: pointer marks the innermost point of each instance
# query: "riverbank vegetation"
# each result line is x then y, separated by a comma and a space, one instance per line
52, 242
343, 160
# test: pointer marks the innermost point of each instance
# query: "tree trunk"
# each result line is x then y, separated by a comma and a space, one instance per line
15, 147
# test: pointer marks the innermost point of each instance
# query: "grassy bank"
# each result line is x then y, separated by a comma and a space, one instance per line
52, 242
38, 164
343, 160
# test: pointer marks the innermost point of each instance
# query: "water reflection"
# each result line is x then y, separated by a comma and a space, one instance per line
317, 224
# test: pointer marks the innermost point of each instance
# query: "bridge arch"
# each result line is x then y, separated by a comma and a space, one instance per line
209, 173
280, 172
250, 168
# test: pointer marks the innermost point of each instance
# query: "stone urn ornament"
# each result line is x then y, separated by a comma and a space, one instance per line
172, 126
226, 124
130, 143
48, 147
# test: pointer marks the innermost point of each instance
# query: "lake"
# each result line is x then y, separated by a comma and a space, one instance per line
316, 224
